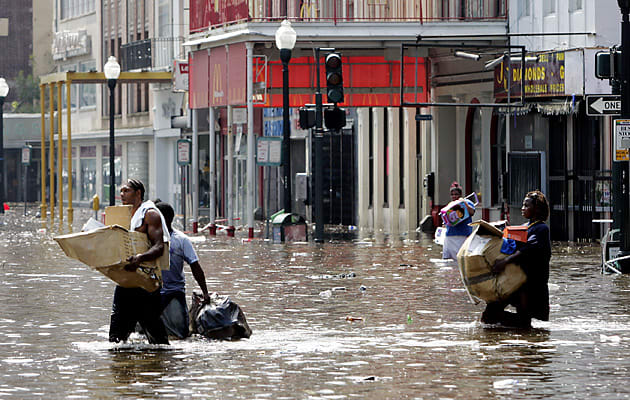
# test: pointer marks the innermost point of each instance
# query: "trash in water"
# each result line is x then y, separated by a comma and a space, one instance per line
326, 293
338, 288
352, 319
409, 320
362, 288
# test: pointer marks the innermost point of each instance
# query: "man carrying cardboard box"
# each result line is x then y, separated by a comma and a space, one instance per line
132, 305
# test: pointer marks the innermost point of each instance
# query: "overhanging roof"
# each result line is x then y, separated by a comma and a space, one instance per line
99, 77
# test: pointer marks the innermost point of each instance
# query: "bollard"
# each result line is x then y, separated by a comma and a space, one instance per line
230, 231
195, 227
212, 230
95, 205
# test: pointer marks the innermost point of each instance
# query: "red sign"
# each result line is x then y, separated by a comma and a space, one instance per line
217, 76
237, 74
198, 79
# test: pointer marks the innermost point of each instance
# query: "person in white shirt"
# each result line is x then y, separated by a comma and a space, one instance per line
136, 305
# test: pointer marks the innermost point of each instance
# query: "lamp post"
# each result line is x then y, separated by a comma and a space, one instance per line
4, 91
112, 72
285, 41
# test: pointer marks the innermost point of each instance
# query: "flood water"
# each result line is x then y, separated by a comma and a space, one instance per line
416, 336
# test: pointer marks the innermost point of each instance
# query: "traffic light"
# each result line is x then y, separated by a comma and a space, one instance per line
334, 78
608, 64
307, 118
335, 118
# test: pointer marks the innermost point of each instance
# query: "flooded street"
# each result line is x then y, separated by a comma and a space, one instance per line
415, 335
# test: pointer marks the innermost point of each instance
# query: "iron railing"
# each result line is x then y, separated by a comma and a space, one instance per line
205, 14
149, 54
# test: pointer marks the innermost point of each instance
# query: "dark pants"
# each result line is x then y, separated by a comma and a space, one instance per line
495, 312
175, 314
136, 305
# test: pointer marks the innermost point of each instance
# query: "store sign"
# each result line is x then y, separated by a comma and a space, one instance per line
180, 75
622, 139
71, 44
544, 77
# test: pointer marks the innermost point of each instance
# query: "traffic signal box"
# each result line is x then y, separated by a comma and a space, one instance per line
334, 78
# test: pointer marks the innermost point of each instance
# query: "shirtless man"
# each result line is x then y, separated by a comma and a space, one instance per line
132, 305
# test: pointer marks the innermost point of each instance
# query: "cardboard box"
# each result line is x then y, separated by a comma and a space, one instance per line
118, 215
476, 258
106, 250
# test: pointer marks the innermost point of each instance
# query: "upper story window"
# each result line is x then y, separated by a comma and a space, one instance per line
524, 7
575, 5
75, 8
549, 7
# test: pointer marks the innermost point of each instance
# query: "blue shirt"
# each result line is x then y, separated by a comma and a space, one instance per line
461, 229
181, 250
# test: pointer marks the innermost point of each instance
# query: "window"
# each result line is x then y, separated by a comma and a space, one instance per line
87, 92
164, 18
76, 8
549, 7
524, 8
575, 5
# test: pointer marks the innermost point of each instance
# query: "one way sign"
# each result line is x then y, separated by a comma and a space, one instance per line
596, 106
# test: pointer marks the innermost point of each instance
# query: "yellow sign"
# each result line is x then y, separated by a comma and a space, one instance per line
622, 155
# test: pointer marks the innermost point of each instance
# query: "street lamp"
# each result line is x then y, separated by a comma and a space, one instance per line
285, 41
112, 72
4, 91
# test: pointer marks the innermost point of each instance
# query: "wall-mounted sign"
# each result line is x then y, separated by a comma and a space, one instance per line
622, 139
543, 77
184, 152
71, 44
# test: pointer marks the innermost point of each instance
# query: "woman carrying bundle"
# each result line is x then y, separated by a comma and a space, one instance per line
532, 299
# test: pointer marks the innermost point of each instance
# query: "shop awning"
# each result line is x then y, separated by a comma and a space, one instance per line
562, 107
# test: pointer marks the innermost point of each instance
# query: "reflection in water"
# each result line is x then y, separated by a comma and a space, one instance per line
365, 319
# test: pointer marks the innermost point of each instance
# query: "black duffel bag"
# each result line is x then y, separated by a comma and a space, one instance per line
220, 318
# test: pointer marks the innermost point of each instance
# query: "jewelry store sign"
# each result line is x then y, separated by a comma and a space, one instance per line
622, 139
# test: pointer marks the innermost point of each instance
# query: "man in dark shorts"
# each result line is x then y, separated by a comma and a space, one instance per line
136, 305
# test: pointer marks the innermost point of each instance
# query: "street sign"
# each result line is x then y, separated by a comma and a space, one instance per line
424, 117
184, 151
622, 140
597, 106
269, 151
26, 155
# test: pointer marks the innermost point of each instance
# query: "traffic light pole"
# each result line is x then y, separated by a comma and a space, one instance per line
318, 142
620, 168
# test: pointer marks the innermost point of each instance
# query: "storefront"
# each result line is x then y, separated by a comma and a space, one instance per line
553, 145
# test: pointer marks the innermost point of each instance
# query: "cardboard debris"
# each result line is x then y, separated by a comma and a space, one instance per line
476, 258
106, 249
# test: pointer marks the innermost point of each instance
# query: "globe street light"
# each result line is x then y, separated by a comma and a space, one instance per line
4, 91
285, 41
112, 72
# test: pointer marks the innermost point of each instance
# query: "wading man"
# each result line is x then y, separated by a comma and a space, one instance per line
175, 311
132, 305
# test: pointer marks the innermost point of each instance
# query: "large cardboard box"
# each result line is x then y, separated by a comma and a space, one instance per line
106, 250
119, 215
476, 258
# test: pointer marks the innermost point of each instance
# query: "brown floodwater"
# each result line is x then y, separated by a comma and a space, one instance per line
415, 334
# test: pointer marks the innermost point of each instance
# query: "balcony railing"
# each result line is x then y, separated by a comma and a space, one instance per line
211, 13
151, 54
